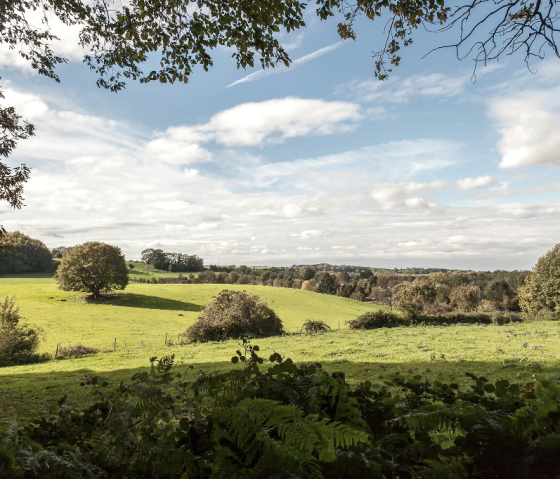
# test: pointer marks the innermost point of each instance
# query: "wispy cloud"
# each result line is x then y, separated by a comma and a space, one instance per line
297, 62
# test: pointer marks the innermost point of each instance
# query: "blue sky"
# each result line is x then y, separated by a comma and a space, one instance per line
316, 163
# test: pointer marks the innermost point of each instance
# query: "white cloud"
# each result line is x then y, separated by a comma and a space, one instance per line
94, 179
530, 128
396, 196
475, 183
283, 69
253, 124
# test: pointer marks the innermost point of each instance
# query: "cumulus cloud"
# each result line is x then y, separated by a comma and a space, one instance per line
253, 124
530, 128
475, 183
399, 195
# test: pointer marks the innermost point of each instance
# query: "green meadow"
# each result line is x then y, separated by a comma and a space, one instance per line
140, 318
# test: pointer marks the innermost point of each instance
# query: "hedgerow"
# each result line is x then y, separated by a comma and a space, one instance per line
279, 419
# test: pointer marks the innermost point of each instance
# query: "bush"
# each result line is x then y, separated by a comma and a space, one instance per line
465, 297
77, 351
18, 341
412, 298
287, 420
234, 314
21, 254
377, 319
315, 326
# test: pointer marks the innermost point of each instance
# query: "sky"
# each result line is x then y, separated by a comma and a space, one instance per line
319, 162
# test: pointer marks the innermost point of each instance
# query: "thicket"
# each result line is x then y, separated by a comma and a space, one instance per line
276, 419
234, 314
20, 253
18, 341
377, 319
311, 326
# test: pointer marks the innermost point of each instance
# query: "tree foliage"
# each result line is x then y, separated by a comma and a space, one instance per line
541, 292
281, 419
412, 298
17, 340
175, 262
94, 268
234, 314
20, 253
465, 297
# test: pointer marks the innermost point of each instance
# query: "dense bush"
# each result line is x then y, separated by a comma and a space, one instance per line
465, 297
93, 268
315, 326
284, 420
412, 298
377, 319
18, 341
234, 314
21, 254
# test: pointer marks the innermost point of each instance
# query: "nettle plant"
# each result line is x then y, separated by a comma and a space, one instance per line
274, 418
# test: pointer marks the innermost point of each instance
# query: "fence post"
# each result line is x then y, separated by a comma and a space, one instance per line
56, 354
166, 338
115, 345
339, 324
125, 342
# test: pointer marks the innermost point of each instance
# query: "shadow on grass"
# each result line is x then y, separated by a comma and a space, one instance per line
48, 275
134, 300
23, 393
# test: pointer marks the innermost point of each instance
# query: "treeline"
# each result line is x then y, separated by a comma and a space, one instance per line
174, 262
488, 291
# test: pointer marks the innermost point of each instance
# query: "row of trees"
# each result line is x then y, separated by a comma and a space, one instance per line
176, 262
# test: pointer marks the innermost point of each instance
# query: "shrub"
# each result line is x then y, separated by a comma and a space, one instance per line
465, 297
94, 268
315, 326
17, 340
234, 314
412, 298
77, 351
309, 285
377, 319
21, 254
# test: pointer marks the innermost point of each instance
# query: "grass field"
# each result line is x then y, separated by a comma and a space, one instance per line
140, 270
146, 312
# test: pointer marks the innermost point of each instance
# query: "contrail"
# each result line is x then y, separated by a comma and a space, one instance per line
298, 61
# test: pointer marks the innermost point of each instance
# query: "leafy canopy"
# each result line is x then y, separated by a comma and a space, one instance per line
541, 292
94, 268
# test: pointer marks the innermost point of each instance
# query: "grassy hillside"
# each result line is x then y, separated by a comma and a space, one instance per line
145, 312
140, 270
